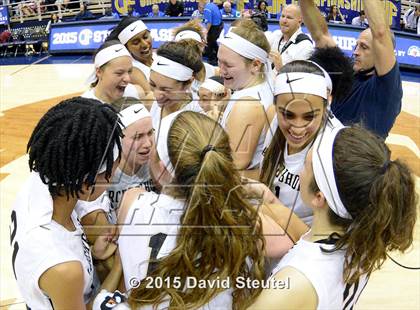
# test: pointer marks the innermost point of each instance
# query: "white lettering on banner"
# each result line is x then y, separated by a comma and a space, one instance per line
163, 35
85, 36
100, 36
65, 38
345, 43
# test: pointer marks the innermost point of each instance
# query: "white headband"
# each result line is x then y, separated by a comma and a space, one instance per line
162, 141
105, 55
171, 69
116, 152
322, 163
131, 30
213, 86
300, 82
243, 47
132, 114
111, 52
327, 76
188, 34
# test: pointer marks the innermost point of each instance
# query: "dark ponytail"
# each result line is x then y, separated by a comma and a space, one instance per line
381, 197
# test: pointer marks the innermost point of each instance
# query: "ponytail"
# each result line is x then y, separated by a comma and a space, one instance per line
380, 196
221, 233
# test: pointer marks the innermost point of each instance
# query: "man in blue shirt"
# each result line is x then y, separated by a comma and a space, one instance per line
375, 98
213, 20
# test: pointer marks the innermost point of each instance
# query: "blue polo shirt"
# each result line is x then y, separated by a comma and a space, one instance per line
374, 101
212, 15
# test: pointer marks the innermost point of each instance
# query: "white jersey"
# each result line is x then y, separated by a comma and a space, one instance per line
143, 68
156, 111
325, 272
286, 184
153, 223
109, 201
40, 243
264, 94
130, 91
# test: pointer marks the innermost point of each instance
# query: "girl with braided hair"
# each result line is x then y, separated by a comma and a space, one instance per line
351, 233
72, 151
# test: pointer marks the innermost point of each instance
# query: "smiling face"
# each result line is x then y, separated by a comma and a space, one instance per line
167, 91
113, 78
363, 55
299, 117
236, 71
137, 143
140, 46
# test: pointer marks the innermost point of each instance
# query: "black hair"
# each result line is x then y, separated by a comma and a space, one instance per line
339, 67
128, 20
217, 78
71, 142
261, 2
260, 19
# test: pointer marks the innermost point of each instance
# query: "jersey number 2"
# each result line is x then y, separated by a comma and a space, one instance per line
12, 237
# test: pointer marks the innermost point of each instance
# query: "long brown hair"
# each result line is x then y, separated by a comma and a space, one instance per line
380, 196
221, 233
274, 154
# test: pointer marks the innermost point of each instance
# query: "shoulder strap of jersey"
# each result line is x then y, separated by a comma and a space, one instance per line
300, 37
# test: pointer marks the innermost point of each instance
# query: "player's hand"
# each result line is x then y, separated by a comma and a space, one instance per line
105, 245
275, 58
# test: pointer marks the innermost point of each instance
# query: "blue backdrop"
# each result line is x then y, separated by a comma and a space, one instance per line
87, 36
4, 15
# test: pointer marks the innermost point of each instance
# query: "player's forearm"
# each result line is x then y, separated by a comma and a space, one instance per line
376, 14
313, 19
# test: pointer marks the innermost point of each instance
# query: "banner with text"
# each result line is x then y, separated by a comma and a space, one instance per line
88, 36
349, 8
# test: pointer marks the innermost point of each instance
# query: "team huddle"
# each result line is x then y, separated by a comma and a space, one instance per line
261, 183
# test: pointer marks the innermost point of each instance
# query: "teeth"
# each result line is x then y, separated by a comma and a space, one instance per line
296, 137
